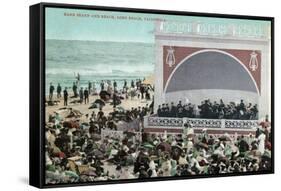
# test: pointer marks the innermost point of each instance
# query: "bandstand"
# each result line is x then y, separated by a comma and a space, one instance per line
196, 61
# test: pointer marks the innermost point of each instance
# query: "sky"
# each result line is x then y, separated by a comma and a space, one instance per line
62, 25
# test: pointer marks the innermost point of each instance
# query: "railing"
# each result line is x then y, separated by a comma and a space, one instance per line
241, 124
165, 122
204, 123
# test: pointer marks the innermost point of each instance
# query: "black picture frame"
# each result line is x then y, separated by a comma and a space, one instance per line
37, 91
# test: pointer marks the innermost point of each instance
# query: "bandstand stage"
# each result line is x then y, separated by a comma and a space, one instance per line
198, 64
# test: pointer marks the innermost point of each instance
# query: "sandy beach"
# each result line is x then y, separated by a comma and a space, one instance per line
127, 104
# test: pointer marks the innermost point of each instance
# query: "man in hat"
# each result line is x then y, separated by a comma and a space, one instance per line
179, 110
90, 87
58, 91
65, 96
132, 84
159, 111
86, 96
102, 85
74, 89
51, 91
81, 95
125, 85
173, 111
114, 85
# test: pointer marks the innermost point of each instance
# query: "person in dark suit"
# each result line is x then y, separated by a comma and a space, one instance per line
132, 84
125, 84
173, 112
163, 114
114, 85
159, 112
74, 89
51, 92
102, 85
205, 109
58, 91
167, 110
81, 95
65, 97
86, 96
254, 112
142, 90
90, 87
114, 99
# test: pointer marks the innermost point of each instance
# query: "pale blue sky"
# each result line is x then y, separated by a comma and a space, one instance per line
63, 27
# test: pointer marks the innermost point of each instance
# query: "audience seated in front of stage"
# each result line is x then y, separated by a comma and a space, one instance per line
210, 110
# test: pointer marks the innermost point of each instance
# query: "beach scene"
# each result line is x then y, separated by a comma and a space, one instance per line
105, 119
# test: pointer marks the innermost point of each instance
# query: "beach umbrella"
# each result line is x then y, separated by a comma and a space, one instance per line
71, 124
147, 145
177, 147
202, 145
104, 95
98, 154
225, 137
71, 174
164, 147
93, 106
100, 102
89, 173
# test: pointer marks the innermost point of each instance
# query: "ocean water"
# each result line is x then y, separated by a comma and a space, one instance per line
96, 61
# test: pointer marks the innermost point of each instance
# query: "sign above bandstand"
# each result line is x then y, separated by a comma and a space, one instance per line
257, 31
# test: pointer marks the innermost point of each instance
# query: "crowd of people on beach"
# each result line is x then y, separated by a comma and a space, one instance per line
76, 152
210, 110
81, 148
135, 89
67, 134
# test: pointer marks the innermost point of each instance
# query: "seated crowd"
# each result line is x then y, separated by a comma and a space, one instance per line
210, 110
154, 155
